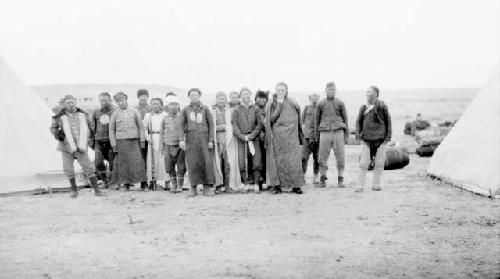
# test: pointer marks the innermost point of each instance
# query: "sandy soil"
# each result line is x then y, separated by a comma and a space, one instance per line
412, 228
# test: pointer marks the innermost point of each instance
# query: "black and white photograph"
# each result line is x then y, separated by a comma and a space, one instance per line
250, 139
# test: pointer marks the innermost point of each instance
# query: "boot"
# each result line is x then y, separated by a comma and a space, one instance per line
341, 182
74, 189
127, 187
193, 191
105, 180
258, 186
277, 190
206, 189
144, 185
297, 191
180, 183
322, 181
93, 184
151, 185
361, 180
316, 179
173, 184
167, 184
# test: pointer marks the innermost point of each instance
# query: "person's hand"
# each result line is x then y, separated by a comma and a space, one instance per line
346, 139
114, 148
210, 144
143, 144
246, 138
182, 145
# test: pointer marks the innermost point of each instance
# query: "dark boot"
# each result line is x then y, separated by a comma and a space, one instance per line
127, 187
168, 184
257, 178
173, 184
144, 185
93, 184
193, 191
322, 181
277, 190
206, 189
74, 189
180, 183
297, 191
151, 186
341, 182
105, 181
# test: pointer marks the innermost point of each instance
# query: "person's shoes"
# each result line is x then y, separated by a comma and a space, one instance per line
376, 188
207, 190
74, 189
167, 184
151, 186
316, 179
358, 190
219, 189
322, 181
93, 184
297, 191
180, 183
193, 192
341, 182
144, 185
127, 187
276, 190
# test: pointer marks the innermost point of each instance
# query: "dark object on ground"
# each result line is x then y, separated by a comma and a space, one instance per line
396, 158
426, 150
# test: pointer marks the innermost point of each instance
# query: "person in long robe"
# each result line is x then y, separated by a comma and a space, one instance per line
126, 134
227, 172
198, 133
155, 165
283, 140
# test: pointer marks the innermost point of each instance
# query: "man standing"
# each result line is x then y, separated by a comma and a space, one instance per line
155, 165
198, 127
71, 128
234, 99
332, 129
143, 107
170, 137
99, 123
311, 145
374, 128
246, 128
261, 98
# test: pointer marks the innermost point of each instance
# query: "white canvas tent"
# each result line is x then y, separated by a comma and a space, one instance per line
469, 156
28, 156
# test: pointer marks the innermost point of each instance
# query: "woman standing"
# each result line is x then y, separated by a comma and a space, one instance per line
126, 134
283, 140
198, 133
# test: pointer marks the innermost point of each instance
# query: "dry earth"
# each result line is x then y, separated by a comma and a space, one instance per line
412, 228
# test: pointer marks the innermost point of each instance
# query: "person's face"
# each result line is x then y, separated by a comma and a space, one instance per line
371, 95
122, 103
143, 99
156, 106
194, 96
172, 106
234, 98
261, 101
105, 101
69, 105
331, 90
221, 101
245, 96
281, 91
314, 98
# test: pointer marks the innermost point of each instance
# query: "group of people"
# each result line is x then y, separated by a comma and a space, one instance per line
238, 144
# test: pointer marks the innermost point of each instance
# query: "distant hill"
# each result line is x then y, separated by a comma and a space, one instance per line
87, 93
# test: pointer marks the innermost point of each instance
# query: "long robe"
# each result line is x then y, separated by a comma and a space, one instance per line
152, 127
283, 140
232, 154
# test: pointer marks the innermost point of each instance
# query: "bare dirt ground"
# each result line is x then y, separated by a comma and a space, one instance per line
412, 228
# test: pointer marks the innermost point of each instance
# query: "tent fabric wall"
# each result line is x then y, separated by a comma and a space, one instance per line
469, 156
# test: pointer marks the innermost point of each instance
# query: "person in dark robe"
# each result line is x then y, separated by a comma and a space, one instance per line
261, 98
311, 144
197, 128
126, 134
283, 140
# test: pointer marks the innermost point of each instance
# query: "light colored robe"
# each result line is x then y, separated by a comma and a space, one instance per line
152, 126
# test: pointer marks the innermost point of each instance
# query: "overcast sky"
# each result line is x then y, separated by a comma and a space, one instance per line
229, 44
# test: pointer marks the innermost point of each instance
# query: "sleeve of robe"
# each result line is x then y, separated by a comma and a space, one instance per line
319, 112
359, 122
210, 124
258, 127
236, 129
275, 111
112, 129
140, 126
343, 113
182, 124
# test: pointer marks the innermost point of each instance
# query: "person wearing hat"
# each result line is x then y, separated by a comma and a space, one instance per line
170, 137
126, 134
234, 99
143, 107
99, 123
155, 165
261, 98
197, 132
332, 130
311, 145
71, 128
246, 127
227, 174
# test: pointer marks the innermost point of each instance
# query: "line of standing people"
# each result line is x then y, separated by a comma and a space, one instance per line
233, 146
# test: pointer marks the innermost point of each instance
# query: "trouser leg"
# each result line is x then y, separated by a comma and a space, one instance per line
339, 151
325, 144
379, 165
364, 162
242, 161
315, 150
306, 152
